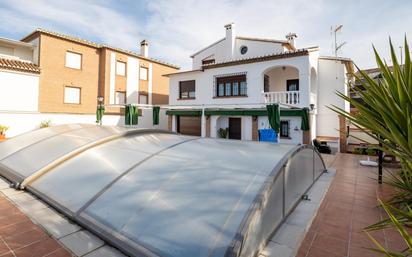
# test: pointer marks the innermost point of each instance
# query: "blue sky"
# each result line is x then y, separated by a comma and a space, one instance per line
178, 28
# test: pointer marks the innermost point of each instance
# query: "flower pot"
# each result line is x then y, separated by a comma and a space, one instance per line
2, 137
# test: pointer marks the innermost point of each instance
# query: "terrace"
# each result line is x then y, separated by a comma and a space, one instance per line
343, 201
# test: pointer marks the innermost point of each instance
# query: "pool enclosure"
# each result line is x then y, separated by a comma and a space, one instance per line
155, 193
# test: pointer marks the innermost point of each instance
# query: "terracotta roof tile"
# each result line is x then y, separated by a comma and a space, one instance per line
288, 54
96, 45
17, 65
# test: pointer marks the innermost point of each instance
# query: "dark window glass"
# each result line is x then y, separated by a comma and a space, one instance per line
243, 49
284, 128
210, 61
231, 86
266, 84
187, 89
235, 88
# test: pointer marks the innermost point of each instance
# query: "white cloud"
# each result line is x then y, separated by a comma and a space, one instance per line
178, 28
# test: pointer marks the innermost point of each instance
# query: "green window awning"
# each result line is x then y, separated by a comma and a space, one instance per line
183, 112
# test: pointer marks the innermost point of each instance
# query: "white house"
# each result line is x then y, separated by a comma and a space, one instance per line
19, 76
233, 79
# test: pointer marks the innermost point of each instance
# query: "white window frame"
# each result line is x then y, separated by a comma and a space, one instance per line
116, 98
143, 95
73, 60
143, 73
119, 70
68, 98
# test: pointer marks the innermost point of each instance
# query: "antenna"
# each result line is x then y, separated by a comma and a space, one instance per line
337, 47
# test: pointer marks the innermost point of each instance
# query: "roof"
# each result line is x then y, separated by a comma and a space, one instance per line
182, 72
263, 58
17, 65
284, 42
95, 45
347, 61
16, 42
144, 191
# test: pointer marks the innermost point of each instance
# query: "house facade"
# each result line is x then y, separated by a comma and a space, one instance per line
72, 73
238, 75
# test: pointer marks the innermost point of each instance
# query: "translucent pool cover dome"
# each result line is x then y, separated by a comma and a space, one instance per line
155, 193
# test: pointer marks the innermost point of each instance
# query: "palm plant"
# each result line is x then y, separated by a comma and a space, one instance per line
385, 114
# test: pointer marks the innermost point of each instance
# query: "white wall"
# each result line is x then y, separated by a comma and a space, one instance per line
278, 77
24, 122
19, 91
132, 82
296, 136
219, 51
331, 78
255, 71
17, 52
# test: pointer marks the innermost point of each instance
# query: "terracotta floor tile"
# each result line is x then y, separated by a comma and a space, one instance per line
61, 252
356, 251
24, 239
320, 252
38, 249
334, 231
334, 245
3, 247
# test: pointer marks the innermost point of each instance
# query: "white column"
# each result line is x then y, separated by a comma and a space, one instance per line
112, 78
213, 126
150, 83
174, 123
132, 82
304, 88
203, 123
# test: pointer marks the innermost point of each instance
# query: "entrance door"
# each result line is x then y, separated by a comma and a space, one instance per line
235, 128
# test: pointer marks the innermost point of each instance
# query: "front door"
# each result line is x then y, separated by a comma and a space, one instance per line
235, 128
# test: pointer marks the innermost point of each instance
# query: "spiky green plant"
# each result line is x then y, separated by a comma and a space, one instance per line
385, 114
398, 219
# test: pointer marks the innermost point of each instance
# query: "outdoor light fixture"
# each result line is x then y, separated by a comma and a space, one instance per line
312, 107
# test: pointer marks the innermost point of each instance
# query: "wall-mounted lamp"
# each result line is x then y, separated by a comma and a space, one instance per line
296, 128
312, 107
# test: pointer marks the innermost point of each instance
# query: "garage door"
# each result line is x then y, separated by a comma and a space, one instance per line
189, 125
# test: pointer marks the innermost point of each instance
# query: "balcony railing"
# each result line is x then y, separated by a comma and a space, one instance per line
282, 97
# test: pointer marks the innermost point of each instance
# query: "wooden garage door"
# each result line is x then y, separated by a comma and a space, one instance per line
189, 125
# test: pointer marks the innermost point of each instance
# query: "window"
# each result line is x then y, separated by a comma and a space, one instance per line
143, 73
187, 89
73, 60
243, 49
292, 85
231, 86
284, 128
266, 84
72, 95
120, 97
120, 68
210, 61
143, 98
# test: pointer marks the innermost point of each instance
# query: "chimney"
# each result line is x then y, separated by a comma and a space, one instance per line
144, 48
230, 40
291, 37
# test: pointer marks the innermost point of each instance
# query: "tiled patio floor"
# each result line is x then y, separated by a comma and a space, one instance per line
20, 237
349, 206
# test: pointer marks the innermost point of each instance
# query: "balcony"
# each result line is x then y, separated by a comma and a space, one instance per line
282, 97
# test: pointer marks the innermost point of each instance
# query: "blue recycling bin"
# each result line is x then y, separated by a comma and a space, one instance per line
267, 135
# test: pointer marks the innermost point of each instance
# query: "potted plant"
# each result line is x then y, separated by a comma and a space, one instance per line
45, 124
223, 132
3, 130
